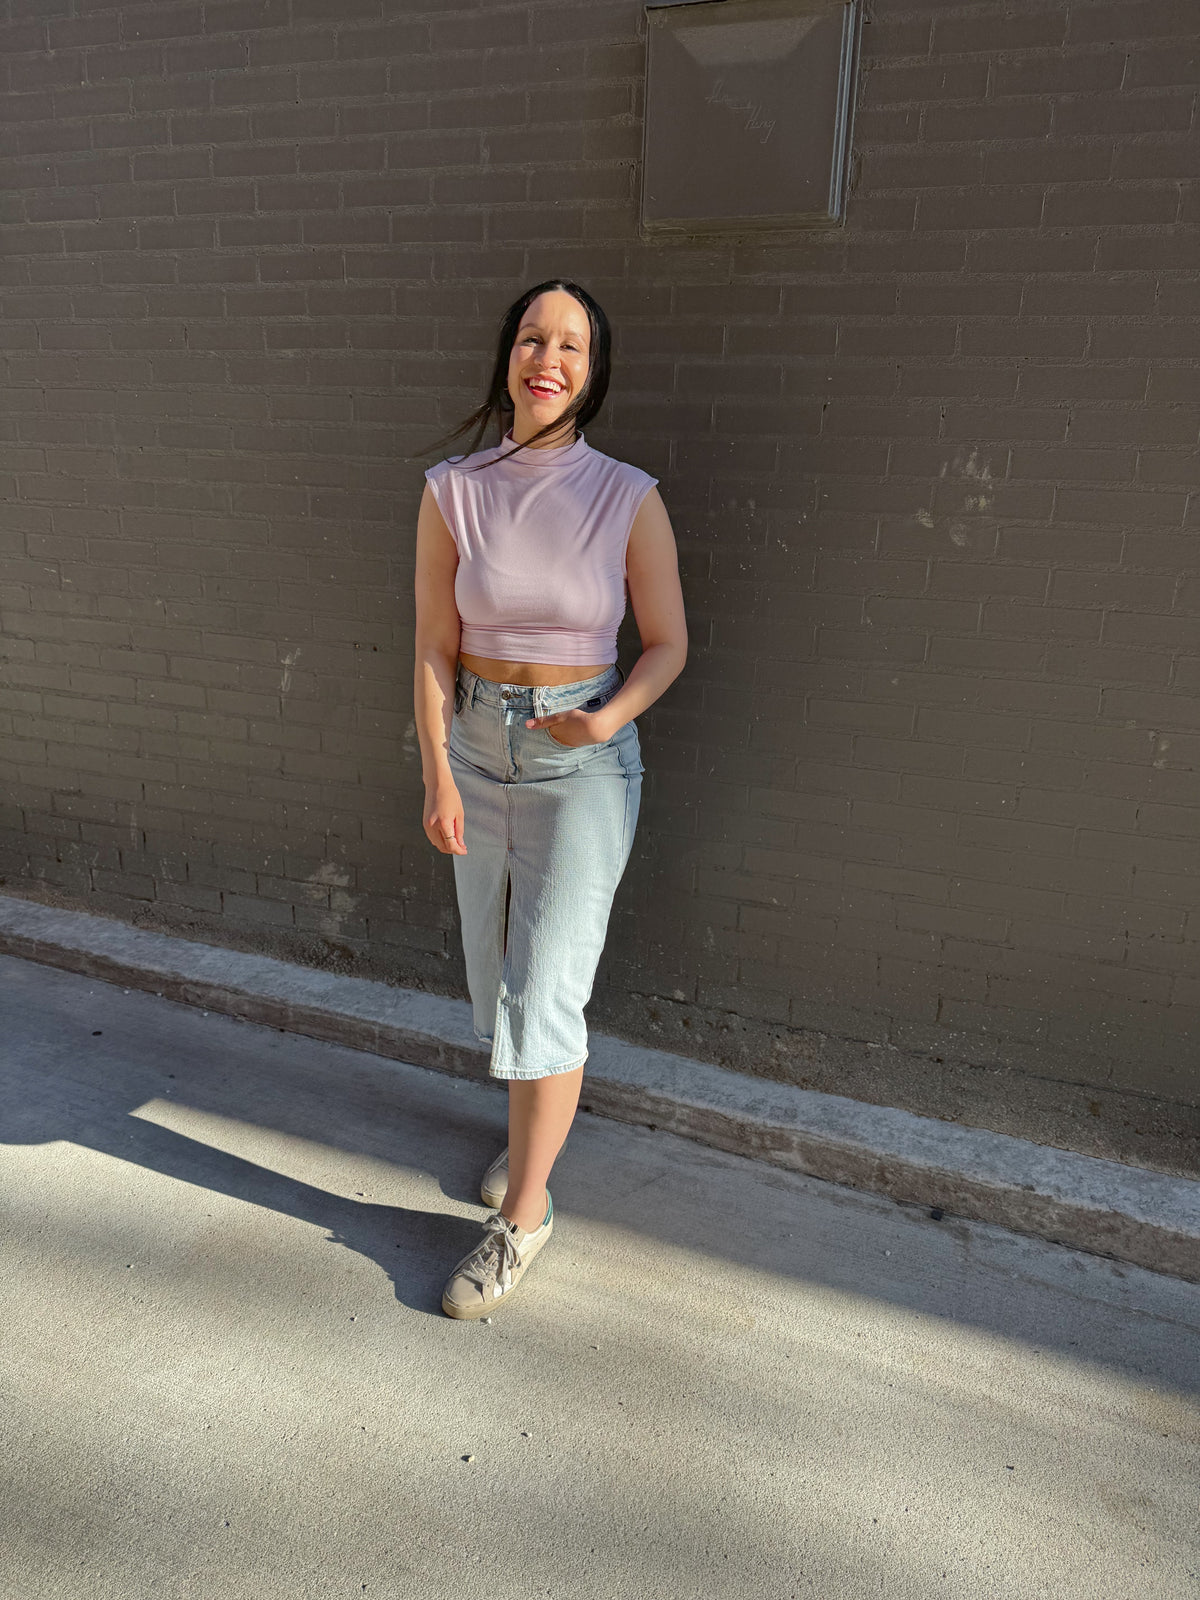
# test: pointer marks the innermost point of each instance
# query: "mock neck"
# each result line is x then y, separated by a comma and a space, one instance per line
544, 458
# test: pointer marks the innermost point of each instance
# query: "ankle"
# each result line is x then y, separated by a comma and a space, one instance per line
527, 1215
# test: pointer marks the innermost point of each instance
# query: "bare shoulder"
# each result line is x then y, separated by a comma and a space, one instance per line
651, 534
437, 547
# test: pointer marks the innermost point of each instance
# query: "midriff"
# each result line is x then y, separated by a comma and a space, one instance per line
530, 674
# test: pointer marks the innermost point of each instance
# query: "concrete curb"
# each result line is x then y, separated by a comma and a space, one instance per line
1147, 1218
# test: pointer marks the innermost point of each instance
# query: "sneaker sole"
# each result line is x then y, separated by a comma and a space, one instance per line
462, 1314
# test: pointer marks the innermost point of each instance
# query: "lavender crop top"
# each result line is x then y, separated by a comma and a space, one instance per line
541, 550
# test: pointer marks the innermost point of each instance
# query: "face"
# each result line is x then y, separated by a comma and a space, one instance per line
548, 365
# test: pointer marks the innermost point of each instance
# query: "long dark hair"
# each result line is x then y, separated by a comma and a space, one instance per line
499, 403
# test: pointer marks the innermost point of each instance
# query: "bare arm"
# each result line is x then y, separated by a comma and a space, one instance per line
652, 568
437, 641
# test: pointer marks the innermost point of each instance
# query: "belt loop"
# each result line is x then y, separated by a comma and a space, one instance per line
474, 687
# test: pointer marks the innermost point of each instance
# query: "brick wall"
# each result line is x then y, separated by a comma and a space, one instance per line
921, 824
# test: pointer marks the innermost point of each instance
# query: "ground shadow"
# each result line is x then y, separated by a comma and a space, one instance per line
79, 1058
61, 1079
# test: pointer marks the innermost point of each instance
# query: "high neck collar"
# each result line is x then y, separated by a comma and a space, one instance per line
543, 458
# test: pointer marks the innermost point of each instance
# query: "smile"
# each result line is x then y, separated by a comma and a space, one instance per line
544, 386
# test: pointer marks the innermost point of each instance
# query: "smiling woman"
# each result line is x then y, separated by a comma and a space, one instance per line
527, 553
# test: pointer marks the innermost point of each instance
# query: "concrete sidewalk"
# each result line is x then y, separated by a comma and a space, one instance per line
1147, 1218
225, 1375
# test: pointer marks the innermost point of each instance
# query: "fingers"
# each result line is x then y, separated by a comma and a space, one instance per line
551, 717
571, 729
446, 835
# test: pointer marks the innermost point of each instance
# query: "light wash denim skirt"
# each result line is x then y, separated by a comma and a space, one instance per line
548, 830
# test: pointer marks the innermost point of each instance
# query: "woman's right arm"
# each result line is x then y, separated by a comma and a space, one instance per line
438, 632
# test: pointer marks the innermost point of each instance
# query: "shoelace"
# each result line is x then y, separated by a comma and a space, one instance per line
493, 1260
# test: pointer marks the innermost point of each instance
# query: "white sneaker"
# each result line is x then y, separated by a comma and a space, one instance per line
495, 1182
495, 1267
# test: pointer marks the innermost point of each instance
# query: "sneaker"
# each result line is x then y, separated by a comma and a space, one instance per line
495, 1266
495, 1182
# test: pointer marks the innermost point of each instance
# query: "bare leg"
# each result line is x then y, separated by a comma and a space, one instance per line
540, 1113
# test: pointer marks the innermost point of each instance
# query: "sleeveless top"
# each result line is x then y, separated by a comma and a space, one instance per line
541, 550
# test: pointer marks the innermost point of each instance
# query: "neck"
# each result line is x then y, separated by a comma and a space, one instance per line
553, 441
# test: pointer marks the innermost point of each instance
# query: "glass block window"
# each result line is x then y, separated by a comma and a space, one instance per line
748, 113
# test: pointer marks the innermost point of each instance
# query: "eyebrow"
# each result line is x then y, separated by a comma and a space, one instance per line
536, 327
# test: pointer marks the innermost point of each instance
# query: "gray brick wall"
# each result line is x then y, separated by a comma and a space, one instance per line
922, 817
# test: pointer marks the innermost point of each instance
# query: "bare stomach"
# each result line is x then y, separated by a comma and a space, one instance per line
528, 673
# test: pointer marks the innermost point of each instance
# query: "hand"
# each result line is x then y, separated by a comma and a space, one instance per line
444, 820
574, 729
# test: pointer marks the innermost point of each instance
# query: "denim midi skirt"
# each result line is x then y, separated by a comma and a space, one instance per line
548, 830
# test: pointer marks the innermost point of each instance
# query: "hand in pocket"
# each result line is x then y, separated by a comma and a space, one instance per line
572, 729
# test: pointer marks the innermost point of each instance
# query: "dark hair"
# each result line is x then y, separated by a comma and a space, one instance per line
499, 403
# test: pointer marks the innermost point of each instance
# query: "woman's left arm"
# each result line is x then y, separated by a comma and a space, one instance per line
652, 571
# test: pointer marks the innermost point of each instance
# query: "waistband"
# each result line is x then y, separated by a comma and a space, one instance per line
538, 699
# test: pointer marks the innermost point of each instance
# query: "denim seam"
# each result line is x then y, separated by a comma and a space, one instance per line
501, 1030
626, 841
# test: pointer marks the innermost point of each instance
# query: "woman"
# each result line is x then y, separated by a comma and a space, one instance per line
526, 553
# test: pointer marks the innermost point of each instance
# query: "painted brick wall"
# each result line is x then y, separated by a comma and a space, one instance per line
922, 817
